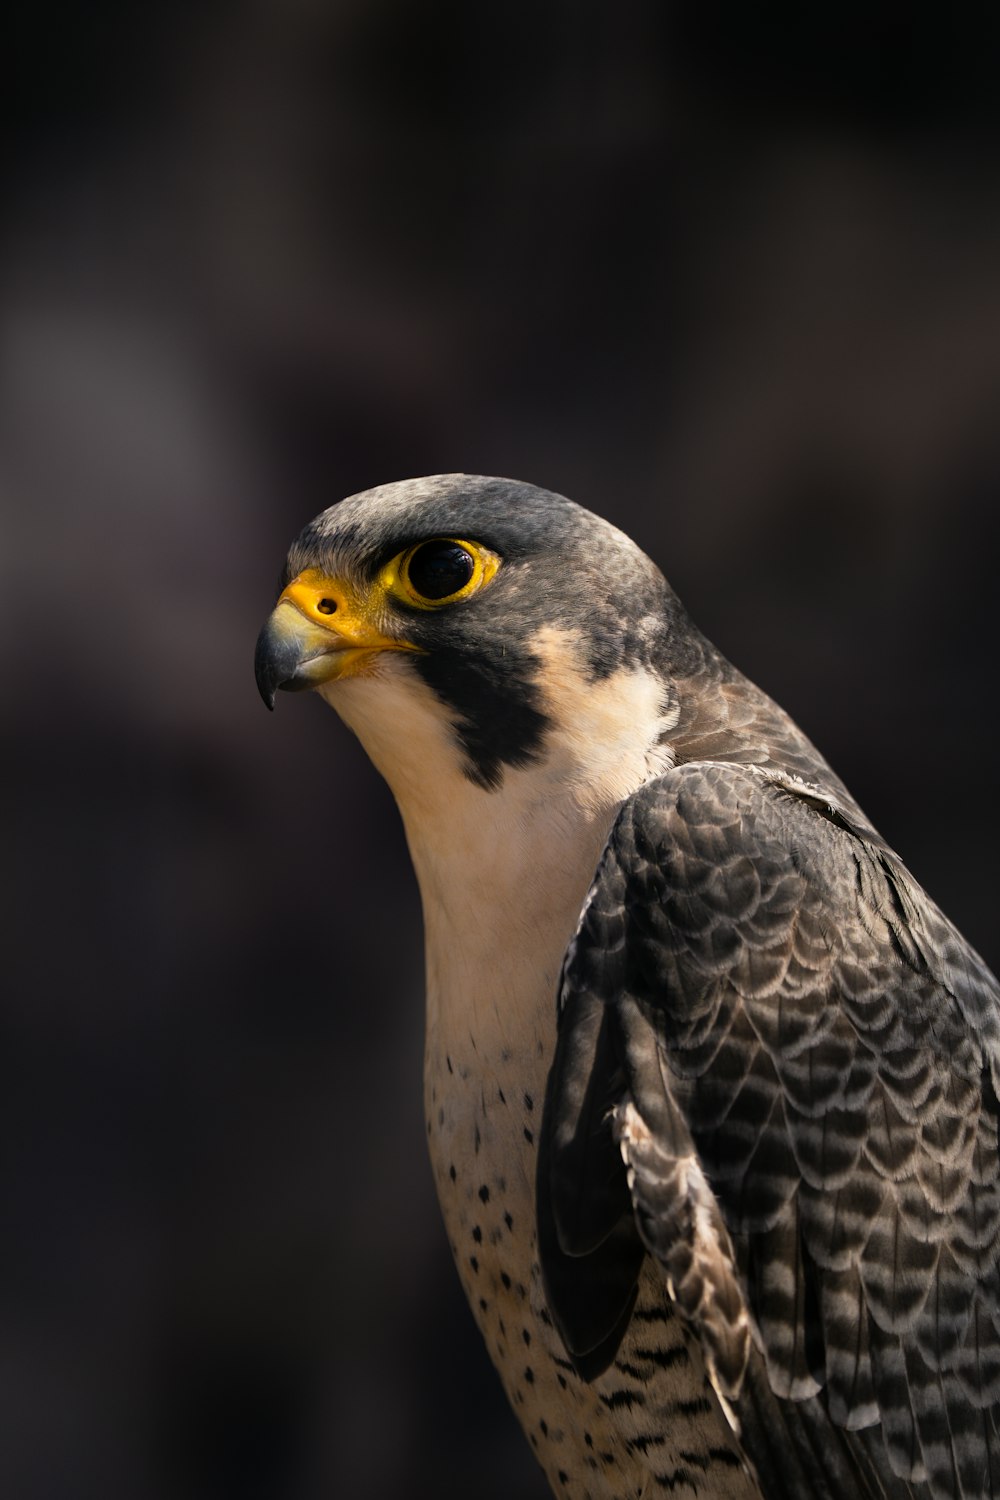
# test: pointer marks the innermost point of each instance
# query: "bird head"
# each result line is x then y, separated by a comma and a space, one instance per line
506, 606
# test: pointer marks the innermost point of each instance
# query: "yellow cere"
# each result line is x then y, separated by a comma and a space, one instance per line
395, 580
327, 601
354, 618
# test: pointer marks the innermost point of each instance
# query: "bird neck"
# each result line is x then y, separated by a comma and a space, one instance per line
504, 872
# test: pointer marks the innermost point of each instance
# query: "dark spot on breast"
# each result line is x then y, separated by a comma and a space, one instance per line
526, 1335
628, 1399
478, 1140
724, 1456
451, 1172
505, 1279
543, 1427
501, 1096
448, 1061
529, 1103
563, 1477
528, 1136
562, 1381
643, 1441
477, 1235
529, 1374
484, 1194
665, 1358
695, 1407
508, 1220
588, 1439
483, 1304
473, 1262
696, 1460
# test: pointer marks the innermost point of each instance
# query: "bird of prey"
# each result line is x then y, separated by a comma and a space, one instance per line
711, 1084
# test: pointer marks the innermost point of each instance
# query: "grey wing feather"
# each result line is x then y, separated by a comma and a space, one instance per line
798, 1059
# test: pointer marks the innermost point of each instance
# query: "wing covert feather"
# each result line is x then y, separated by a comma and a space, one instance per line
798, 1057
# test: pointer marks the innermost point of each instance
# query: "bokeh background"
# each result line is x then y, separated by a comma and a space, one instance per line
730, 276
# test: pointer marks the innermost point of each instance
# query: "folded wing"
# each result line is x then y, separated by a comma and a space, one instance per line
776, 1074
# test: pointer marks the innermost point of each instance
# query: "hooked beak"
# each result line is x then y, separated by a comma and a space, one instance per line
319, 630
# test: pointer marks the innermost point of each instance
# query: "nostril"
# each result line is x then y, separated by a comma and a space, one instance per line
327, 606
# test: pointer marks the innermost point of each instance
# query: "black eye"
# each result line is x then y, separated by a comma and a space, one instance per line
439, 569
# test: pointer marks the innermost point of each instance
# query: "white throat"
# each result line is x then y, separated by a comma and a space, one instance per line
503, 874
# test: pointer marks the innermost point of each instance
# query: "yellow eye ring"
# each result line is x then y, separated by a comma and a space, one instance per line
441, 570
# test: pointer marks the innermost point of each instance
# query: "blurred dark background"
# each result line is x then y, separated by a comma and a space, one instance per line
729, 276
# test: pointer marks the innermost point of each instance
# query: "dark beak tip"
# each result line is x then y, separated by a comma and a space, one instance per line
278, 663
267, 667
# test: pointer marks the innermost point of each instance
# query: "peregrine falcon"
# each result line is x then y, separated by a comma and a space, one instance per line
711, 1084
